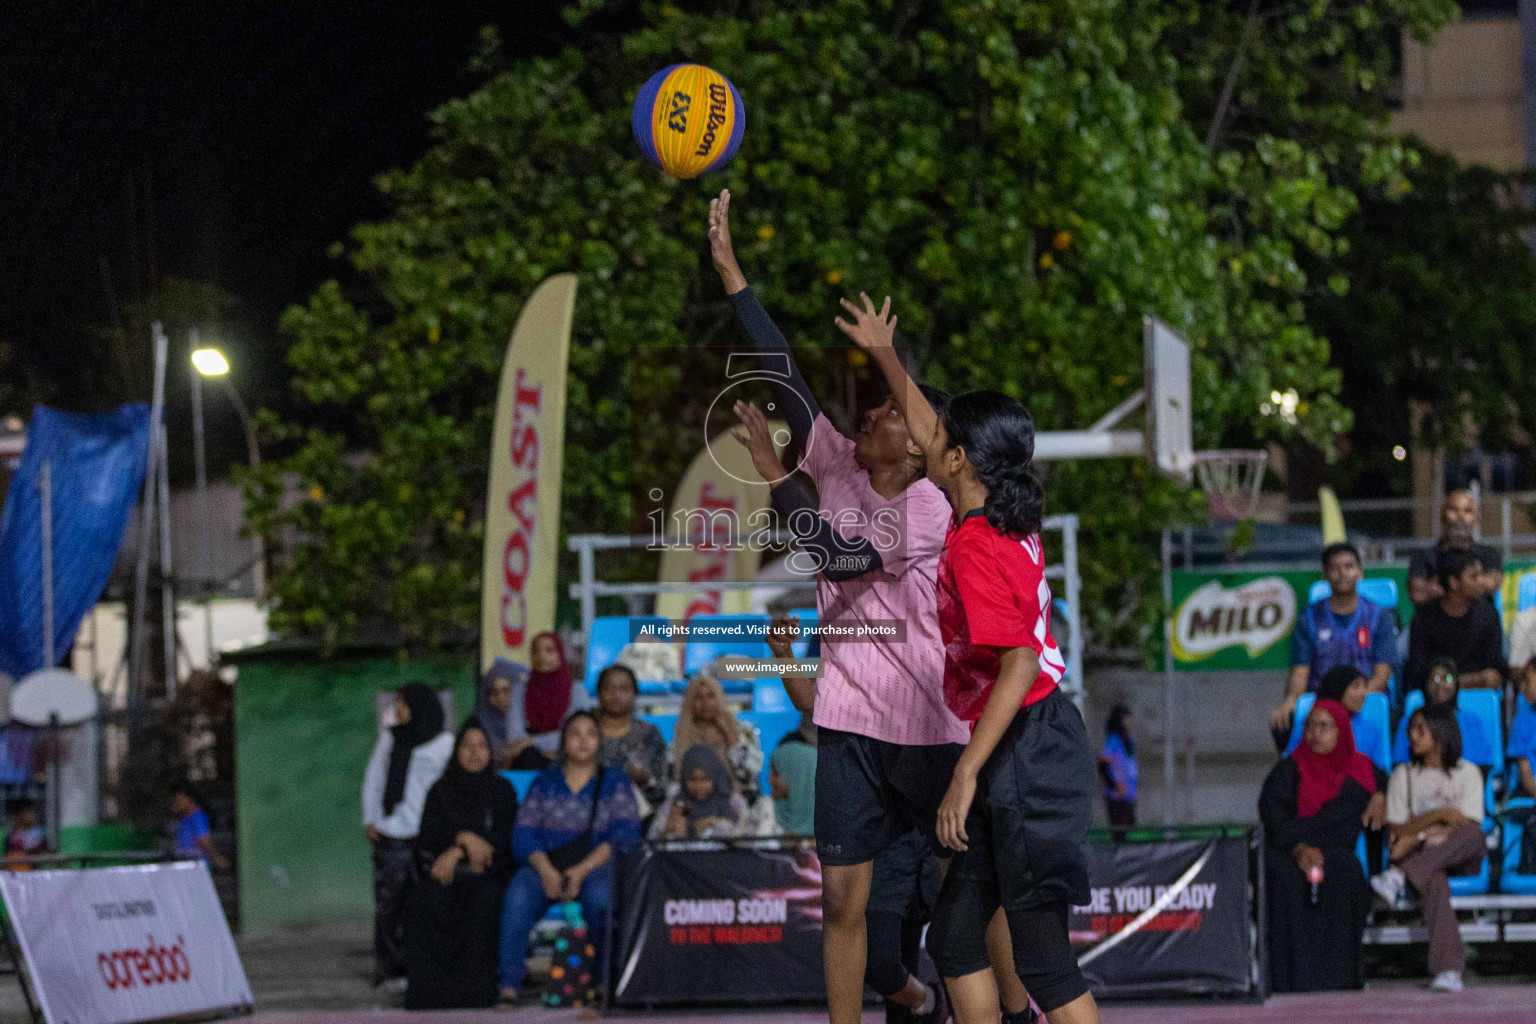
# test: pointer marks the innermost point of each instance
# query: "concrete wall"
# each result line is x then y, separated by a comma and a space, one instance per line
1462, 92
1220, 717
304, 727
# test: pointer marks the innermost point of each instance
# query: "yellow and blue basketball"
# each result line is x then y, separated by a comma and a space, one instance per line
688, 120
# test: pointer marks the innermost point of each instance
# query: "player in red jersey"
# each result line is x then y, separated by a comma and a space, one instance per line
1018, 805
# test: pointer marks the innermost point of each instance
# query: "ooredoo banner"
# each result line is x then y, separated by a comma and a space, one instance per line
116, 945
709, 923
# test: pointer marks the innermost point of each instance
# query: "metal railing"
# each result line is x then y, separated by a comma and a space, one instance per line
588, 588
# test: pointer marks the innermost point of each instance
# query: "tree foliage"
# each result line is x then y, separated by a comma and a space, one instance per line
1440, 313
1026, 178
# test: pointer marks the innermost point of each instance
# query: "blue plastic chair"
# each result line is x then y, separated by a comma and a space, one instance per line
1512, 765
520, 780
703, 651
1375, 711
1511, 881
608, 636
772, 726
666, 724
768, 694
1528, 590
1484, 705
1377, 589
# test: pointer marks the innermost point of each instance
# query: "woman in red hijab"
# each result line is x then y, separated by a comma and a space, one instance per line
539, 704
1313, 806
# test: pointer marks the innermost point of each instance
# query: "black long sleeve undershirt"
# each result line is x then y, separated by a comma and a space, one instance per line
800, 408
841, 559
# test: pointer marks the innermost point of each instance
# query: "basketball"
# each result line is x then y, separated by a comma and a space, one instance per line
688, 120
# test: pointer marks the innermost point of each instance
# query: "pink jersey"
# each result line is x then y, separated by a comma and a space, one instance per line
887, 690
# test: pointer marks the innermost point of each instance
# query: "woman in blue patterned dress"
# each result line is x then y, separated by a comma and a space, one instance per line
576, 816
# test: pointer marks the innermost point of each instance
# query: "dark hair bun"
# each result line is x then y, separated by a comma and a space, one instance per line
999, 441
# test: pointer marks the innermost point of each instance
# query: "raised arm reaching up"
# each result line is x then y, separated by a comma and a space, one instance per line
800, 409
874, 331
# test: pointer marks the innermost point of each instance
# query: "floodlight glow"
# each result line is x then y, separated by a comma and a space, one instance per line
210, 362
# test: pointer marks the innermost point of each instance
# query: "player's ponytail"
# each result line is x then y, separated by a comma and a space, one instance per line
999, 441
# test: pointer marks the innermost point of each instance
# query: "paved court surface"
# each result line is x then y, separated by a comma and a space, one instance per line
323, 977
1482, 1004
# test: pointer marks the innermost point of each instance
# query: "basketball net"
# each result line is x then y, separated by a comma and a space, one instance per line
1231, 480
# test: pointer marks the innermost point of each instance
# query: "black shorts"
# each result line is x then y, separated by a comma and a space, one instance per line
1027, 830
869, 793
906, 878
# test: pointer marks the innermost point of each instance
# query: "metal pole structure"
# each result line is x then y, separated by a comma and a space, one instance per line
1506, 526
1074, 609
167, 588
253, 459
588, 576
51, 781
1167, 676
45, 486
205, 513
146, 520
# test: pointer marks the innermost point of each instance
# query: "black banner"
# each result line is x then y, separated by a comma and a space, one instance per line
719, 923
1168, 918
740, 923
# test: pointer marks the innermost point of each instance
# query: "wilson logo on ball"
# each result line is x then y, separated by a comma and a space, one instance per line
688, 120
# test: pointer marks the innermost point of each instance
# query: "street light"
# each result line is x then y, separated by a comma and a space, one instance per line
210, 362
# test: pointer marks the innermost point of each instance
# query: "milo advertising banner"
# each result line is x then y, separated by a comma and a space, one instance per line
1242, 621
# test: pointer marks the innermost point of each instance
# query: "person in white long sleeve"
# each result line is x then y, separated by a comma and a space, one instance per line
406, 761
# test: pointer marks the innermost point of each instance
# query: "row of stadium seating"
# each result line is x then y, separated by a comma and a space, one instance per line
1502, 821
611, 632
771, 726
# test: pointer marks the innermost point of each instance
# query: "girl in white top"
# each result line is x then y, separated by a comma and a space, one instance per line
1434, 817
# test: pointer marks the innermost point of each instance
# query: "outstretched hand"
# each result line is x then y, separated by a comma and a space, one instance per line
758, 441
871, 328
720, 249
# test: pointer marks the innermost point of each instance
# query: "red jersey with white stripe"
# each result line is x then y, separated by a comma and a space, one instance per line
992, 595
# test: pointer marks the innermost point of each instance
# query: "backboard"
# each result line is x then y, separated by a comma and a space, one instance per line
1170, 444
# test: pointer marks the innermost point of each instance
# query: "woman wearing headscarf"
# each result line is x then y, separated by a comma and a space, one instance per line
463, 859
1313, 804
706, 720
705, 804
539, 704
493, 707
406, 761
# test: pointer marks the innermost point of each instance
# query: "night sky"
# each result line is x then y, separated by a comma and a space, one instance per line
230, 142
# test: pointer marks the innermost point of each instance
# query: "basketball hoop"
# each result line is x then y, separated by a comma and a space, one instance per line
1231, 480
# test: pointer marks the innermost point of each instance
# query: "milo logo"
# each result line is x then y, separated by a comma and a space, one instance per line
1255, 616
717, 97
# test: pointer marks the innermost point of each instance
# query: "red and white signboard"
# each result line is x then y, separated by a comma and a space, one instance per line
116, 945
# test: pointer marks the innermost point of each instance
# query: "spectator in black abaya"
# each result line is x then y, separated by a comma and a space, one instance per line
464, 858
1313, 804
406, 761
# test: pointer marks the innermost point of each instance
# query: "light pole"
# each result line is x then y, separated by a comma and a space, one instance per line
210, 362
202, 357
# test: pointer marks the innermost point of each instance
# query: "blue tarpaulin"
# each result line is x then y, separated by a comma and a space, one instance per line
96, 470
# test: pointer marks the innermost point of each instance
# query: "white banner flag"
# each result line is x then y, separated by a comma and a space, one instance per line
115, 945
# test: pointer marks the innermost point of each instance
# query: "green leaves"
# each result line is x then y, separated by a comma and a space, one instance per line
1026, 178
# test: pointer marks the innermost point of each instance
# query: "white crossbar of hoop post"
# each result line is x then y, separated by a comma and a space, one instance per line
589, 588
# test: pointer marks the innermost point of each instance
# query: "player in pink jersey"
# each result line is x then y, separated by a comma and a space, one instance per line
887, 742
1017, 807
